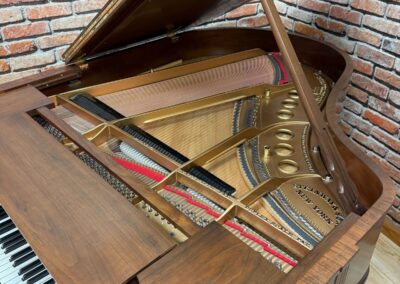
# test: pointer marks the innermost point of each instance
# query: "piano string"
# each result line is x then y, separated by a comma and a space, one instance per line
274, 207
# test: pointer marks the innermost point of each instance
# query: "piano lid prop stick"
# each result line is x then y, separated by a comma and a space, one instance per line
347, 192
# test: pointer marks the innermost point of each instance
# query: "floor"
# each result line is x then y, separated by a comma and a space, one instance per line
385, 264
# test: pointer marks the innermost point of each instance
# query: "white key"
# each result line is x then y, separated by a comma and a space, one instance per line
4, 220
47, 278
8, 255
4, 260
16, 280
8, 233
14, 272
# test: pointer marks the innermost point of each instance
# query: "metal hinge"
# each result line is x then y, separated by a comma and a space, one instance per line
173, 35
83, 66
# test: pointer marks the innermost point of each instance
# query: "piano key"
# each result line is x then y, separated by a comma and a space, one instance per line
5, 224
47, 280
8, 231
23, 259
29, 267
4, 220
9, 265
15, 246
6, 228
20, 253
17, 258
3, 215
10, 237
34, 269
38, 277
12, 272
12, 242
2, 253
15, 275
7, 253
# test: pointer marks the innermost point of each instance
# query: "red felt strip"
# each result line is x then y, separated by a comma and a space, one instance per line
151, 174
278, 59
140, 169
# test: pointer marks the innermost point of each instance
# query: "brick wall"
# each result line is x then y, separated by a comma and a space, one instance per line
34, 33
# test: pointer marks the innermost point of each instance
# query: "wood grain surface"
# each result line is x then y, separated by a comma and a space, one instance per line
166, 209
44, 79
344, 255
81, 229
21, 100
385, 262
212, 256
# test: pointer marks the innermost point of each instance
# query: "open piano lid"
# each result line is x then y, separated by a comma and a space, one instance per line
125, 22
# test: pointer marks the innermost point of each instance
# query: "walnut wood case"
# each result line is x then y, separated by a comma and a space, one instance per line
36, 185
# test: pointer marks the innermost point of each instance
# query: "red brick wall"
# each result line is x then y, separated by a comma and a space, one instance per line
34, 33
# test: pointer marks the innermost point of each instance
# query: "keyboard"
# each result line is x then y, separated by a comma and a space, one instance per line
18, 262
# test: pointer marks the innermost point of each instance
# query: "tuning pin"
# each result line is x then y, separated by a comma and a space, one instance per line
328, 178
267, 150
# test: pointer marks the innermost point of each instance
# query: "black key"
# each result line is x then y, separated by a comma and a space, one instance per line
50, 281
6, 223
20, 254
3, 215
11, 242
15, 246
23, 259
9, 237
97, 107
37, 277
28, 267
7, 228
33, 272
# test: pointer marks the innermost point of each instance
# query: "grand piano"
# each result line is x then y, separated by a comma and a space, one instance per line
166, 153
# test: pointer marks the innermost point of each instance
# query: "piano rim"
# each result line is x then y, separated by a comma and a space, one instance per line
369, 223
